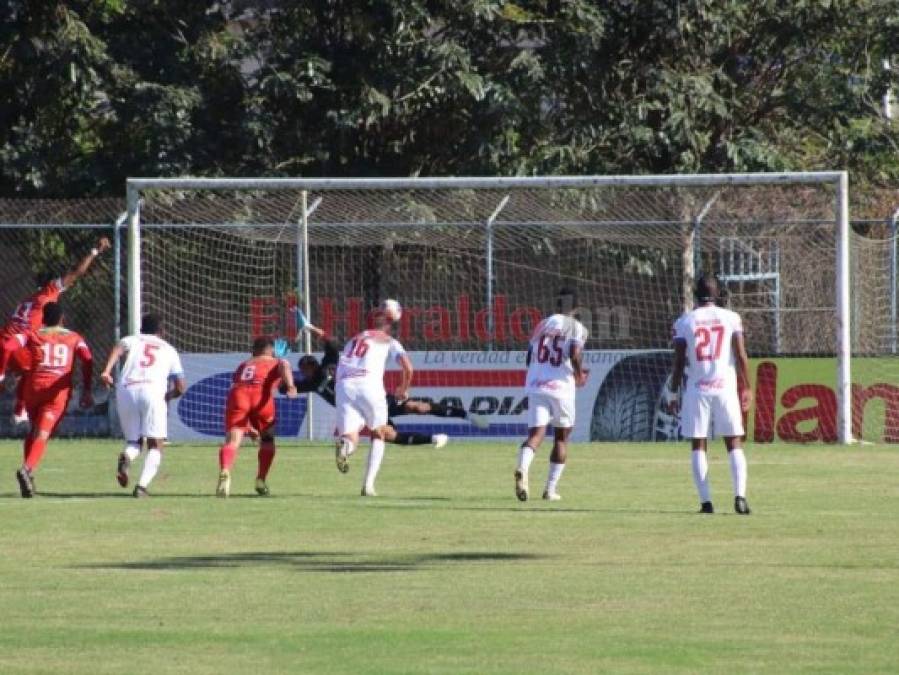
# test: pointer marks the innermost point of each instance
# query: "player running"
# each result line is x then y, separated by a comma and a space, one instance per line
318, 377
555, 368
28, 316
142, 397
47, 385
709, 348
251, 405
361, 399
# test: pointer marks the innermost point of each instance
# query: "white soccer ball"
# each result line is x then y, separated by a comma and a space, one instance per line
392, 309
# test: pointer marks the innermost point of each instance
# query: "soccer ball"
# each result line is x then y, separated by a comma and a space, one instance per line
392, 309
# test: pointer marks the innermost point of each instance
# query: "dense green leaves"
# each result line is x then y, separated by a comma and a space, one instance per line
95, 91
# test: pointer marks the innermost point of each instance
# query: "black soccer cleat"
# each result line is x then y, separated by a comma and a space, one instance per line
706, 507
26, 484
140, 492
741, 507
122, 469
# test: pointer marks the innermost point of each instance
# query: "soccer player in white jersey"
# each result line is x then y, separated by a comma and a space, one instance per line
361, 400
709, 349
142, 397
555, 369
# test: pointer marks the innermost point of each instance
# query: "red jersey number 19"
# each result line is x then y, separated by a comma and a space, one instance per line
55, 355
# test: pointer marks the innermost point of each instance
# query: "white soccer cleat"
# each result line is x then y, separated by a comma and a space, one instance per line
479, 421
368, 491
342, 455
521, 486
439, 440
551, 496
223, 489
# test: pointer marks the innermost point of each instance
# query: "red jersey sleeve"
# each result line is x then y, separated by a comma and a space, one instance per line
50, 292
83, 352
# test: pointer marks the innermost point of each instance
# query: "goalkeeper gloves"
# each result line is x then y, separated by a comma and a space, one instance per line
282, 348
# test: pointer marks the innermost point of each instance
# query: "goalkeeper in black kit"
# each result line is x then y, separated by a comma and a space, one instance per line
318, 376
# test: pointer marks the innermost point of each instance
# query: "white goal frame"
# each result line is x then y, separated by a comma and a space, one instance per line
837, 180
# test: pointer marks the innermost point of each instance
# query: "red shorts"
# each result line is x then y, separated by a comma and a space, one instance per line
249, 408
46, 407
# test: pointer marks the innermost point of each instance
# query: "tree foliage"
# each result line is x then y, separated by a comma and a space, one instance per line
97, 90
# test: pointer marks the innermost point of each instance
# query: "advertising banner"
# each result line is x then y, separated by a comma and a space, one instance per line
795, 398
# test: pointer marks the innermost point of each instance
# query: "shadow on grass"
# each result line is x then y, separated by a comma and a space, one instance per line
318, 561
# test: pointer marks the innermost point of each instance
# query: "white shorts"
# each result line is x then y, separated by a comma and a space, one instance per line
702, 414
544, 409
359, 407
142, 412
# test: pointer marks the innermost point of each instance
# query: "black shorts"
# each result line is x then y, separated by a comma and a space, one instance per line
394, 409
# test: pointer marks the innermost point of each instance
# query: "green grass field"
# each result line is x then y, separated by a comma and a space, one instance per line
446, 572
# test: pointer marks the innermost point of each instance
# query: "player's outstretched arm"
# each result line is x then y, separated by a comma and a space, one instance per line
84, 265
114, 356
287, 379
742, 364
402, 391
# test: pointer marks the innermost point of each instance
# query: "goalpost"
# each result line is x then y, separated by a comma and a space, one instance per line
475, 261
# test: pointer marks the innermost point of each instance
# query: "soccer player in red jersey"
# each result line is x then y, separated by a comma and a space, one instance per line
28, 316
48, 384
251, 406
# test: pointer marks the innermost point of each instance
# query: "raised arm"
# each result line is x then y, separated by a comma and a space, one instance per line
84, 265
402, 391
114, 356
742, 364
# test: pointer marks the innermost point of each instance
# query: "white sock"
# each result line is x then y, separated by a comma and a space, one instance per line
738, 471
132, 450
348, 445
151, 466
525, 457
701, 475
555, 473
375, 455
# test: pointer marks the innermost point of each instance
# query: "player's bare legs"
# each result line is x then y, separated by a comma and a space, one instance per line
525, 456
557, 462
265, 456
151, 465
700, 466
227, 455
737, 458
375, 457
344, 447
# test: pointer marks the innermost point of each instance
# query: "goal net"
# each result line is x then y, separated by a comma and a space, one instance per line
477, 262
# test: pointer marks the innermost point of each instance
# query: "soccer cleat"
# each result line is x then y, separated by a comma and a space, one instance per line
261, 488
20, 418
551, 496
521, 486
741, 507
122, 469
706, 507
368, 491
439, 440
223, 489
342, 456
479, 421
140, 492
26, 485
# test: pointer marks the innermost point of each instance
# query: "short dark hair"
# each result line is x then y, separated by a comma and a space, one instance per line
308, 360
566, 300
707, 289
149, 324
44, 278
52, 314
260, 344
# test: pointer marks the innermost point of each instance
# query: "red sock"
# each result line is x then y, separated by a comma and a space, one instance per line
227, 455
27, 448
19, 410
266, 457
35, 453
